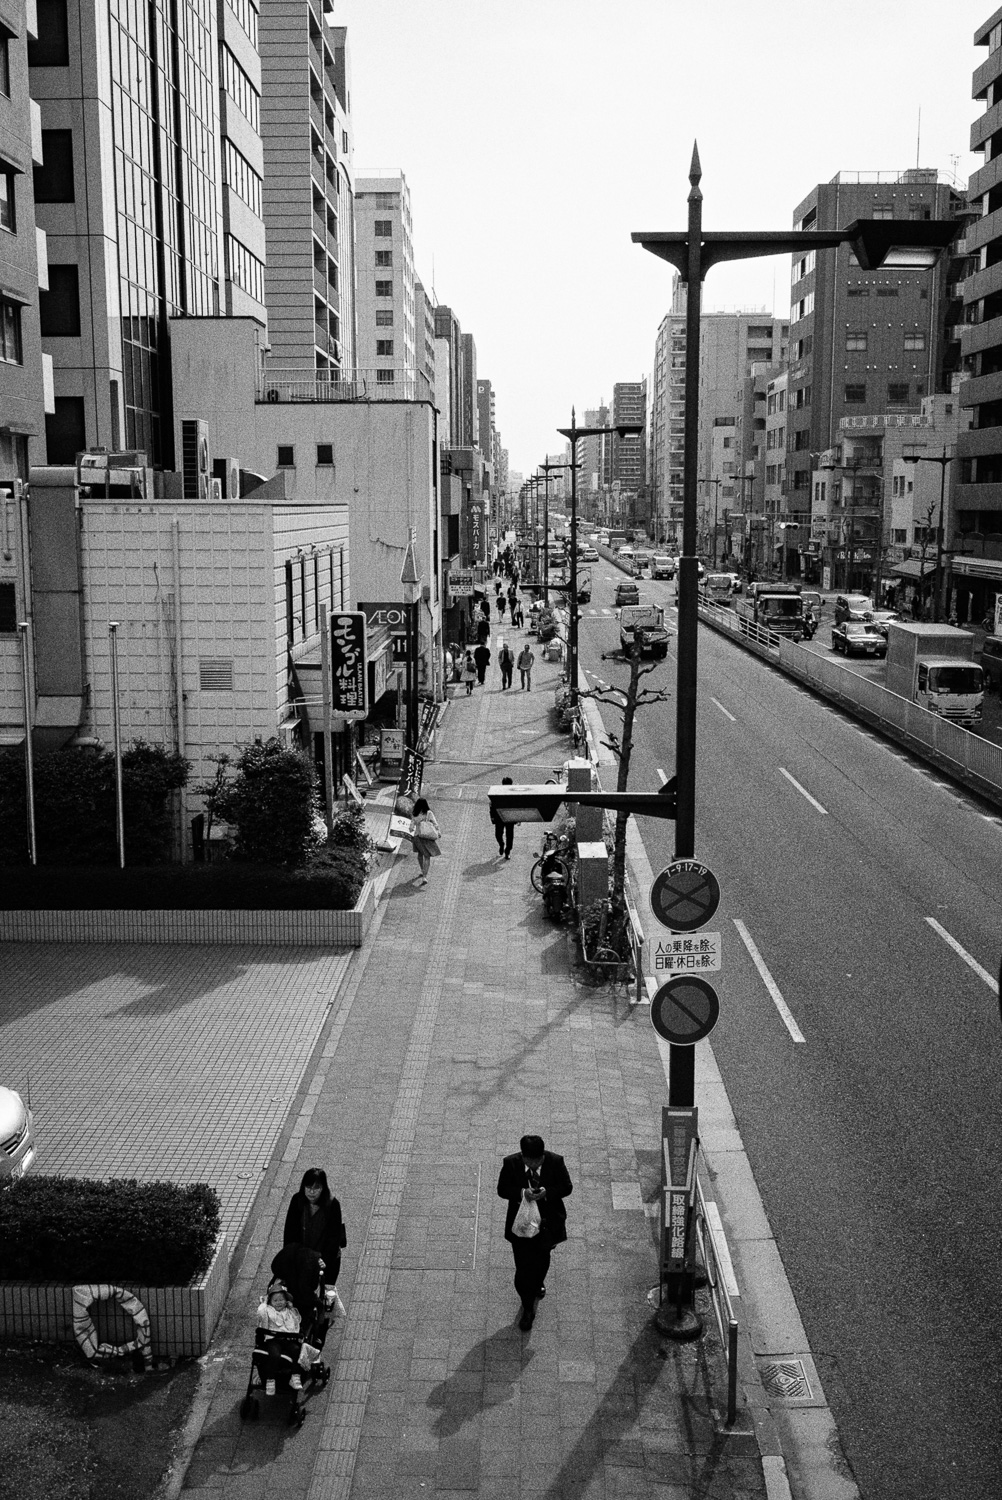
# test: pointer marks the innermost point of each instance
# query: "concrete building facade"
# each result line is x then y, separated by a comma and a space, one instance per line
385, 293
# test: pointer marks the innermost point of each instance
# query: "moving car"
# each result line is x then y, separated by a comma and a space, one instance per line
858, 638
588, 554
17, 1140
627, 593
991, 661
853, 607
625, 553
882, 618
662, 566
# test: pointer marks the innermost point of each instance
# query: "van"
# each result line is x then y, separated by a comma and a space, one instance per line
991, 662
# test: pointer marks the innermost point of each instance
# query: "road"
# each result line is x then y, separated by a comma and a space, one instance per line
853, 870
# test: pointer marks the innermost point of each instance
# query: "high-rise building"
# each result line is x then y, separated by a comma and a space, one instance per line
470, 436
865, 342
25, 374
385, 293
449, 376
629, 454
150, 194
978, 492
308, 190
424, 335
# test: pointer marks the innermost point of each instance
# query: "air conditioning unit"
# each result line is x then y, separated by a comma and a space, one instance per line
195, 465
215, 489
227, 471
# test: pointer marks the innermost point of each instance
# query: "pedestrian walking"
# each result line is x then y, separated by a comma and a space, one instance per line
506, 661
526, 662
485, 608
314, 1220
469, 672
502, 602
535, 1182
503, 832
482, 657
426, 838
517, 614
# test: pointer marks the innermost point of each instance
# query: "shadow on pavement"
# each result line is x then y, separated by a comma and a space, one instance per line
498, 1361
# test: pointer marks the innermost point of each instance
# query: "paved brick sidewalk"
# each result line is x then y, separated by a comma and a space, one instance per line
465, 1026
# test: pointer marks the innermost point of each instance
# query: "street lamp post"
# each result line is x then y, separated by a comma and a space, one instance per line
941, 459
716, 496
692, 252
573, 434
547, 469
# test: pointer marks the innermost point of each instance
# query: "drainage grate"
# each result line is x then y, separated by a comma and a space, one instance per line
786, 1379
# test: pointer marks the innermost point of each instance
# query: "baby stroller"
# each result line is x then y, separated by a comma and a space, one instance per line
285, 1363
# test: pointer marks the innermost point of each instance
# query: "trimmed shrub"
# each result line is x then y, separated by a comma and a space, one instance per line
72, 1230
331, 882
271, 804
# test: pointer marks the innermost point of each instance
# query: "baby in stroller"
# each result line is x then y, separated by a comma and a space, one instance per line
292, 1325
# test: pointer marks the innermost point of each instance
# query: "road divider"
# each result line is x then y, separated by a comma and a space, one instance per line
961, 952
803, 791
785, 1014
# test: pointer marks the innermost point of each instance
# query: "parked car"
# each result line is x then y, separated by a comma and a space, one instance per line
858, 638
17, 1140
662, 566
881, 618
853, 607
627, 593
991, 662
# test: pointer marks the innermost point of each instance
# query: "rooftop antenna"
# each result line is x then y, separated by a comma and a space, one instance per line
918, 139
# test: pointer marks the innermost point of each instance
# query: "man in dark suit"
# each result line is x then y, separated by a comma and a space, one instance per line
538, 1176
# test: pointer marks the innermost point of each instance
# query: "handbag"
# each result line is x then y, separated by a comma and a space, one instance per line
527, 1221
426, 829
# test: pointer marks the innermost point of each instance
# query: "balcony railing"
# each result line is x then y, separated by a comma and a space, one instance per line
283, 385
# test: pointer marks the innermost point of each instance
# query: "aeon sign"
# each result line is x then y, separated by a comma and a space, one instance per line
391, 617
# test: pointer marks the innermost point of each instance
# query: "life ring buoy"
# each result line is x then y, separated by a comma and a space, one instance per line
86, 1333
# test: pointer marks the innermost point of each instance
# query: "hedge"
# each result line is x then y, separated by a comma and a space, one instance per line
71, 1230
332, 882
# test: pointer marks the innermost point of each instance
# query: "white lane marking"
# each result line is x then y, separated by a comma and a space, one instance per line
972, 963
723, 710
723, 1250
607, 611
786, 1015
803, 791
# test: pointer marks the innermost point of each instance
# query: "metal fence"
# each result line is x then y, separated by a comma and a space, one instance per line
975, 758
281, 386
716, 1262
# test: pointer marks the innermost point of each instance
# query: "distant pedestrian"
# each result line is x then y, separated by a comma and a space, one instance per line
469, 672
502, 602
482, 657
426, 838
503, 832
485, 608
517, 614
526, 662
506, 661
536, 1178
314, 1220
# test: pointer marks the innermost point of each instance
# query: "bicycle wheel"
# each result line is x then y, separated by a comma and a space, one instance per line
556, 863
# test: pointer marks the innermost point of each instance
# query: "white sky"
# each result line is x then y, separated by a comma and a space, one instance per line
535, 135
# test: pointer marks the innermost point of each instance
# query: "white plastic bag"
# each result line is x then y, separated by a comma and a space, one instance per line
526, 1222
335, 1306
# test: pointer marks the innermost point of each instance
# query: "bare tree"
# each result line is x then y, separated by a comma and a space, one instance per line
628, 701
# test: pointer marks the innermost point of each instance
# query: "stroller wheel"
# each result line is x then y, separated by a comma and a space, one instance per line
248, 1409
321, 1374
297, 1414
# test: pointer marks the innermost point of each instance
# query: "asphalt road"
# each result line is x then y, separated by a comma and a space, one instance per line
874, 1140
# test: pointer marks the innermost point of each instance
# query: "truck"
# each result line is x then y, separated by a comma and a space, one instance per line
776, 607
645, 625
933, 666
718, 588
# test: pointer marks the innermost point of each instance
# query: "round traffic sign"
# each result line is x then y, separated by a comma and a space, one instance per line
685, 895
684, 1010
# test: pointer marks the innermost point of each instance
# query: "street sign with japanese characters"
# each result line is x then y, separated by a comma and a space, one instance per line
349, 678
685, 895
699, 954
461, 583
684, 1010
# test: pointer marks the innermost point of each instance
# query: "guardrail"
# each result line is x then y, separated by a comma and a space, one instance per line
950, 747
635, 935
717, 1263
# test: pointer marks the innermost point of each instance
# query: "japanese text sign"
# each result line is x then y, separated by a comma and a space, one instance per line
349, 678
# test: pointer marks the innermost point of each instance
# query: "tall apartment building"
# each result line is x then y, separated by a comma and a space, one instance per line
470, 414
385, 291
25, 374
308, 190
978, 494
486, 424
424, 335
149, 194
866, 342
629, 454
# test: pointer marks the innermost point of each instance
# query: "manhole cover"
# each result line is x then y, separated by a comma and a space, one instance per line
787, 1379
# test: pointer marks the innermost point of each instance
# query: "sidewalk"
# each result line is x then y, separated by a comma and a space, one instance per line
463, 1025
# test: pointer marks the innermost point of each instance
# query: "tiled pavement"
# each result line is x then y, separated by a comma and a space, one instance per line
465, 1024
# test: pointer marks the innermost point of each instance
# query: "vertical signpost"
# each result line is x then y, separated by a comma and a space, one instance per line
349, 677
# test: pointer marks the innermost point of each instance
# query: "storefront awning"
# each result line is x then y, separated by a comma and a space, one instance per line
912, 569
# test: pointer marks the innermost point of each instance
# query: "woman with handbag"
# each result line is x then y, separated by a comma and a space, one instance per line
426, 836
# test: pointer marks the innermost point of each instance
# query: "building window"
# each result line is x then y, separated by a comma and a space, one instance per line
855, 341
384, 258
855, 394
286, 456
325, 455
384, 348
386, 200
4, 62
883, 211
8, 609
240, 176
8, 216
10, 332
384, 288
384, 317
914, 340
51, 48
384, 377
897, 393
246, 14
59, 307
54, 177
65, 430
382, 229
245, 270
899, 536
858, 291
887, 291
802, 440
239, 87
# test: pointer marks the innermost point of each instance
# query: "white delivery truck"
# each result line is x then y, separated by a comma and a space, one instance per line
645, 625
933, 665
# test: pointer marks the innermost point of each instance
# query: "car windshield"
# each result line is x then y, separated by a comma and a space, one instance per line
861, 632
782, 609
956, 679
859, 605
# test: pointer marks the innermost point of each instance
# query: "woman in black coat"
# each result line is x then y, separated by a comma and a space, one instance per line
314, 1220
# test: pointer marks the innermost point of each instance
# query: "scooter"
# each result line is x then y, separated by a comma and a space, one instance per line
555, 892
